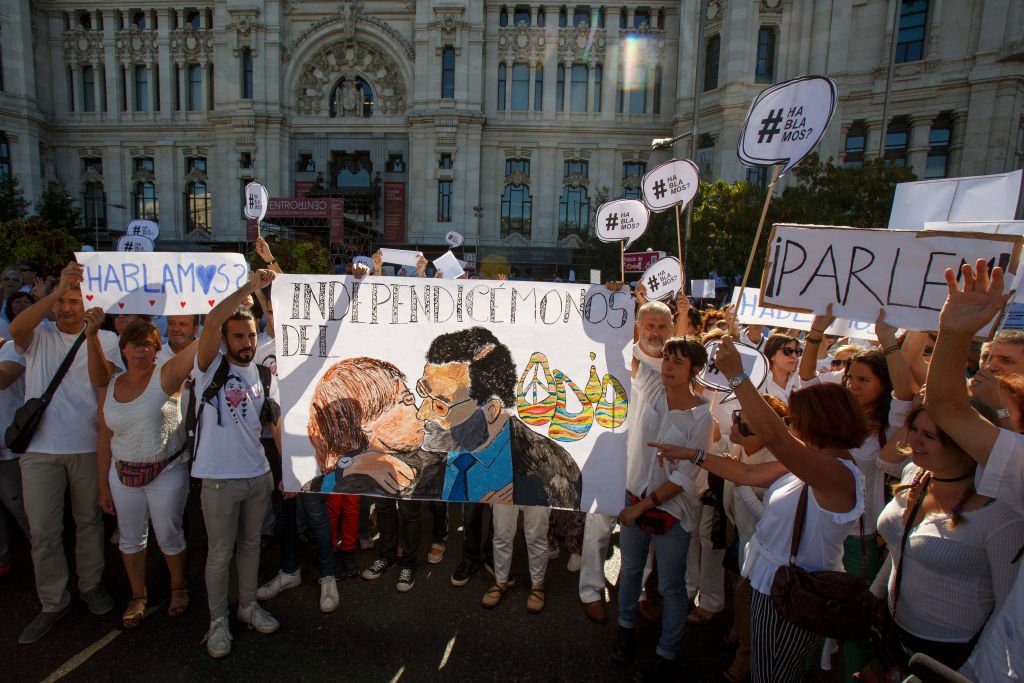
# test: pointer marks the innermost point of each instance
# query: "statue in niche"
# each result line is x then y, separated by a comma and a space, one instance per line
349, 97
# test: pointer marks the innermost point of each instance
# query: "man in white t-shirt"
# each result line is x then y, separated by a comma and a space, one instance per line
12, 396
231, 462
62, 453
181, 331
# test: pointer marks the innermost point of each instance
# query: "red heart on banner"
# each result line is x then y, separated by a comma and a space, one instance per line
182, 304
152, 301
89, 297
210, 301
120, 305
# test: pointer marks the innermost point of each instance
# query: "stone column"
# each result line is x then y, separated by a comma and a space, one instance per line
917, 150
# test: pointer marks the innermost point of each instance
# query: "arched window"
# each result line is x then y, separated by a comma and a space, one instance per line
144, 190
94, 199
516, 201
353, 97
197, 196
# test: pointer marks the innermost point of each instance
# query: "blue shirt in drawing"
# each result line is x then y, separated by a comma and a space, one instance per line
470, 476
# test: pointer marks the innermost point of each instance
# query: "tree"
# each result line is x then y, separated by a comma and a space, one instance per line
57, 210
13, 205
33, 239
296, 256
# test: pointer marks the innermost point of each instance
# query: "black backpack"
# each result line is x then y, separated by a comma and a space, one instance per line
193, 422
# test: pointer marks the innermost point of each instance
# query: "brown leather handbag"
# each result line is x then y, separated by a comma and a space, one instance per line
833, 604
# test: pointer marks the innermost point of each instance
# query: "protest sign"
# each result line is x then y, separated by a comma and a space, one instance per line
165, 283
755, 364
671, 183
663, 279
621, 220
1000, 228
702, 289
988, 198
859, 270
552, 416
134, 243
786, 121
749, 312
402, 257
143, 228
639, 261
454, 239
256, 202
449, 266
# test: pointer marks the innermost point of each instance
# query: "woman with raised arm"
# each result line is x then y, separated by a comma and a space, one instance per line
827, 423
142, 472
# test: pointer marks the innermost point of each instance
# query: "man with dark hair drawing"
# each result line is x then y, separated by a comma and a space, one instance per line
468, 385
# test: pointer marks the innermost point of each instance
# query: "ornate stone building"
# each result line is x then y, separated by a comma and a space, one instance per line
508, 122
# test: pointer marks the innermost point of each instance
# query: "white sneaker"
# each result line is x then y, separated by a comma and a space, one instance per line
328, 594
280, 582
258, 618
553, 553
218, 638
574, 563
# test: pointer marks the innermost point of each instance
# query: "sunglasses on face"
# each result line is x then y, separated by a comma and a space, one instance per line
791, 351
741, 426
839, 364
440, 408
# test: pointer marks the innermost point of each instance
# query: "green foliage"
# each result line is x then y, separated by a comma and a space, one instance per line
725, 219
13, 205
34, 239
57, 210
296, 256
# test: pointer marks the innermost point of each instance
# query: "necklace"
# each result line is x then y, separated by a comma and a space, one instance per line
950, 480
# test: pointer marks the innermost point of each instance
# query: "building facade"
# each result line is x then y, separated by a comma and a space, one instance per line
507, 122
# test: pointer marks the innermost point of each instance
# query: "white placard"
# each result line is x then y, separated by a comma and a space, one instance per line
565, 404
595, 277
751, 313
1001, 228
142, 228
134, 243
453, 238
663, 279
859, 271
786, 121
755, 364
621, 220
256, 201
402, 257
987, 199
449, 267
702, 289
673, 182
165, 283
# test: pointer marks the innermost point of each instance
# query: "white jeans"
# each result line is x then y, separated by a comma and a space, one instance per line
535, 529
597, 533
705, 576
162, 500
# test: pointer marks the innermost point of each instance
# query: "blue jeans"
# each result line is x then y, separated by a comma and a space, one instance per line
315, 506
670, 551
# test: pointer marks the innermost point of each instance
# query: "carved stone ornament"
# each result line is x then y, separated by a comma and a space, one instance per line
771, 5
135, 46
143, 176
581, 45
448, 24
715, 10
190, 45
91, 175
517, 178
521, 44
195, 176
83, 47
349, 16
346, 60
575, 179
245, 28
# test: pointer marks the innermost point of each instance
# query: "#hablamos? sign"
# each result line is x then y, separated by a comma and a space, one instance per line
142, 228
671, 183
453, 238
663, 279
256, 201
621, 220
786, 121
755, 364
134, 243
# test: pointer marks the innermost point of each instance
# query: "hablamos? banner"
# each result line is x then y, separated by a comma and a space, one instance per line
621, 220
673, 182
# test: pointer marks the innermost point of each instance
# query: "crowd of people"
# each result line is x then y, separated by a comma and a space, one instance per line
898, 459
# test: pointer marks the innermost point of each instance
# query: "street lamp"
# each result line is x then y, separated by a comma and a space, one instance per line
478, 212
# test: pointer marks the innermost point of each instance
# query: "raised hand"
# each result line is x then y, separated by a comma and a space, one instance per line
972, 306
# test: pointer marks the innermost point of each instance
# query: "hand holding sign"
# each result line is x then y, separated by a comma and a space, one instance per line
674, 182
662, 280
454, 239
786, 121
621, 220
726, 359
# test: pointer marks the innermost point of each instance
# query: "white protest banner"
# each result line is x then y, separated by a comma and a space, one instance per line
549, 417
165, 283
257, 201
134, 243
702, 289
987, 198
860, 270
621, 220
454, 239
143, 228
673, 182
449, 266
1013, 317
755, 364
786, 121
749, 312
663, 279
1000, 228
402, 257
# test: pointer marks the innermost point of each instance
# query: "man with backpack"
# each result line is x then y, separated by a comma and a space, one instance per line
235, 399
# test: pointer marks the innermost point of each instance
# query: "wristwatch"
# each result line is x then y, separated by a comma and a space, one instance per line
1003, 414
738, 380
344, 462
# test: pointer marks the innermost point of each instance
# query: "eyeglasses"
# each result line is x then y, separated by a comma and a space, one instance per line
790, 351
440, 408
13, 278
839, 363
741, 426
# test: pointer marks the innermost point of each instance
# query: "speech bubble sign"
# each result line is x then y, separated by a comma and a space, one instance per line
786, 121
755, 364
673, 182
454, 239
256, 201
621, 220
143, 228
663, 280
134, 243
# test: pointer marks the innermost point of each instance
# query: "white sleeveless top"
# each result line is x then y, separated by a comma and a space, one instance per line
146, 429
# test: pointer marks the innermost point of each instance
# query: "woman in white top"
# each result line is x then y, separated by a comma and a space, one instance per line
827, 422
141, 435
783, 354
955, 567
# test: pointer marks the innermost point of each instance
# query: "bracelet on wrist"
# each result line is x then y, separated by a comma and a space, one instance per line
655, 499
812, 340
895, 348
699, 456
271, 262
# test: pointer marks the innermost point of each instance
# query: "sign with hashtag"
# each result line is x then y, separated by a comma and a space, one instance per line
143, 228
131, 242
671, 183
755, 364
786, 121
622, 220
256, 201
663, 280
